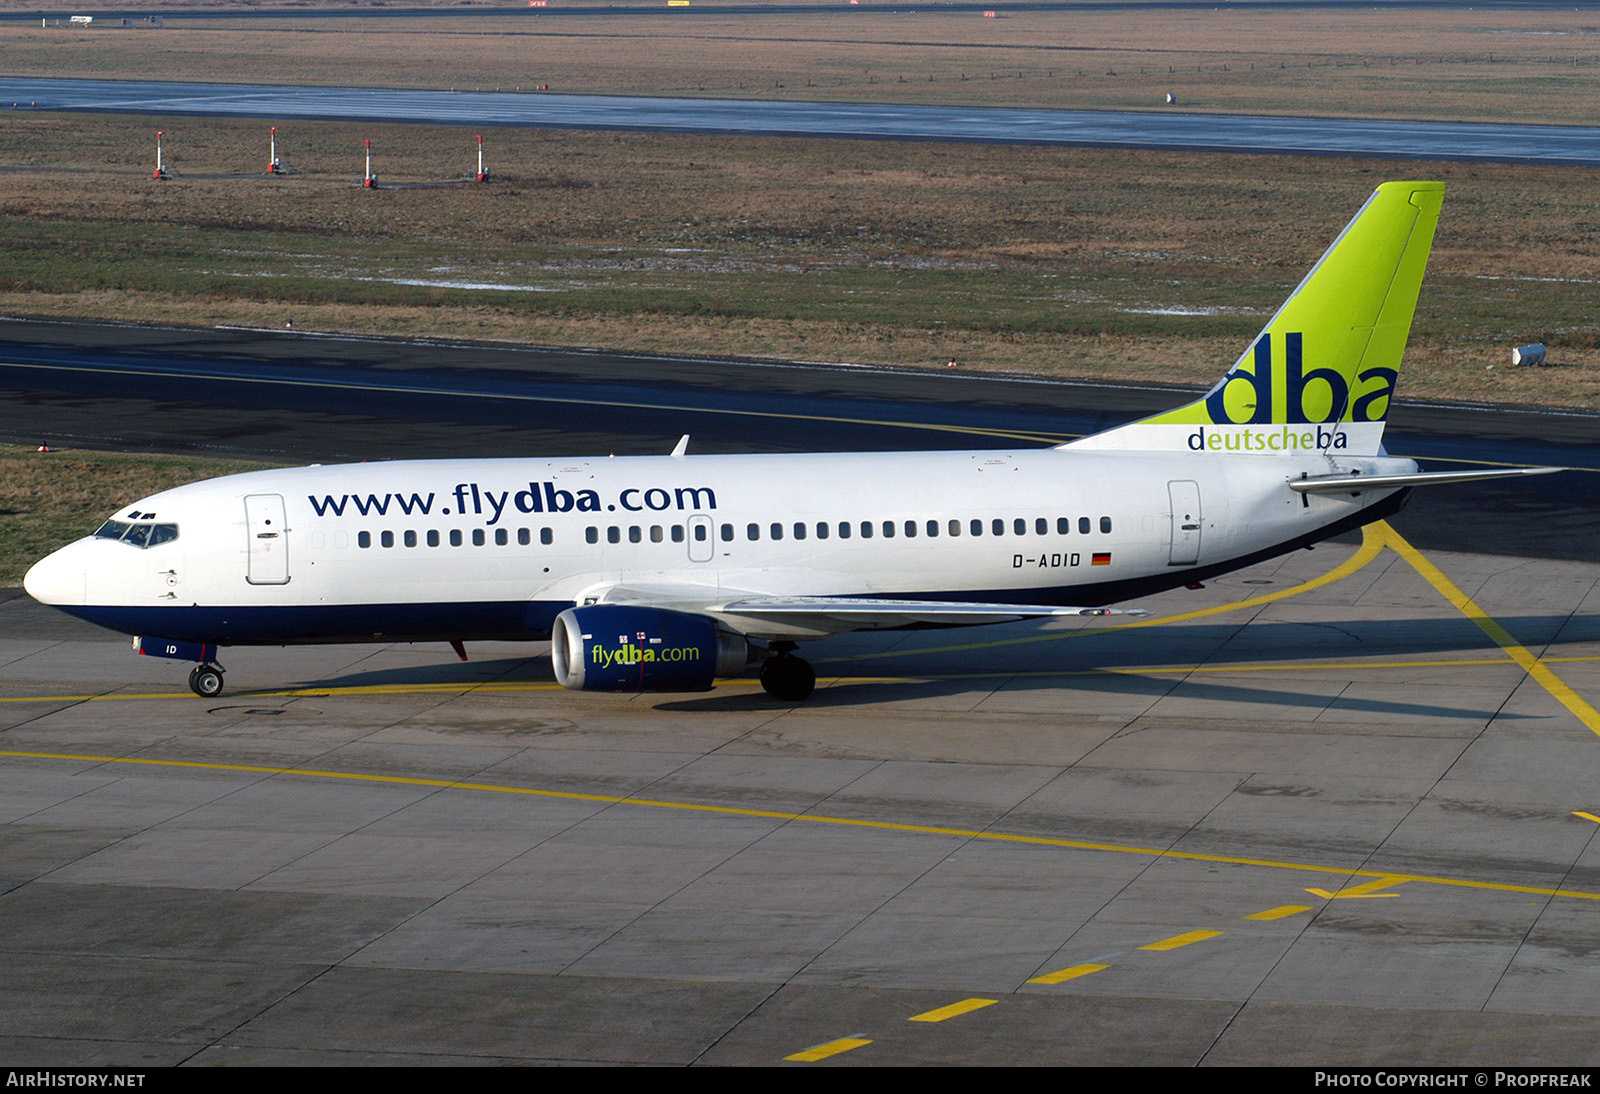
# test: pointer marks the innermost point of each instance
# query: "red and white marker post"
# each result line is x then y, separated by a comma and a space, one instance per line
160, 171
273, 167
369, 181
483, 172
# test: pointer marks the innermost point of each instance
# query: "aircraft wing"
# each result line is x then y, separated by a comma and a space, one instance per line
765, 616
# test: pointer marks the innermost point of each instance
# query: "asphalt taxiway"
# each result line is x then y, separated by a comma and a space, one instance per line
1267, 134
1336, 808
1342, 826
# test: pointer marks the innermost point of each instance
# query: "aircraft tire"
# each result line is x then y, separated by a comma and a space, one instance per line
788, 678
205, 681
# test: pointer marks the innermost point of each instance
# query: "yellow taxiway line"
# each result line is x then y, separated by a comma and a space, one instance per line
808, 818
1541, 673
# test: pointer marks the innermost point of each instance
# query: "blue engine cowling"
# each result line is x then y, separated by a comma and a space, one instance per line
617, 647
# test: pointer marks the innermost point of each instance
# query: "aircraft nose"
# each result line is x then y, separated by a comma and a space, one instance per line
58, 578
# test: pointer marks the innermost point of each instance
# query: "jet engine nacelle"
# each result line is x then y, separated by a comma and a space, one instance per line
617, 647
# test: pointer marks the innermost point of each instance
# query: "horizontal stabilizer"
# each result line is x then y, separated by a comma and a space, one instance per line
1342, 484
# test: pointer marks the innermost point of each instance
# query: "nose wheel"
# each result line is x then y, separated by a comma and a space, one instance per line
785, 676
206, 680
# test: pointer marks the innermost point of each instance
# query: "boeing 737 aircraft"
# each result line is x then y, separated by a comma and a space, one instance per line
665, 572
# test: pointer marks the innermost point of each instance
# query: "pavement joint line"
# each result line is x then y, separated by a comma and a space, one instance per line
1178, 941
829, 1048
983, 836
954, 1010
1541, 673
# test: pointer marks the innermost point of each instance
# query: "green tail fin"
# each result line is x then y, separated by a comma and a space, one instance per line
1324, 369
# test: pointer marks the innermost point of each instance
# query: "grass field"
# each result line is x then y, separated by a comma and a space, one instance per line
1057, 261
1072, 262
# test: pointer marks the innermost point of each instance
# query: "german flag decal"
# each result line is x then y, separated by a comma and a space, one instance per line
1101, 558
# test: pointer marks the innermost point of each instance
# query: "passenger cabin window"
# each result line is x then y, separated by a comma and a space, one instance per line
501, 537
977, 527
727, 533
386, 538
455, 537
844, 529
613, 534
363, 539
524, 537
1063, 526
866, 529
799, 530
777, 530
477, 537
1083, 525
822, 530
433, 537
411, 539
752, 531
591, 535
635, 534
547, 536
1105, 524
911, 529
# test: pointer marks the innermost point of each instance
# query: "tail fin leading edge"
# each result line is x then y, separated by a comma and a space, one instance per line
1321, 375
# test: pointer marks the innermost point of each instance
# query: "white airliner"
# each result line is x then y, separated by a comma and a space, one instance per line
665, 572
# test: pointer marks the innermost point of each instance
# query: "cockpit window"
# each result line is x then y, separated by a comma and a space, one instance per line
138, 534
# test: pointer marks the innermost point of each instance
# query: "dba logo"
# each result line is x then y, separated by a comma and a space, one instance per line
1251, 396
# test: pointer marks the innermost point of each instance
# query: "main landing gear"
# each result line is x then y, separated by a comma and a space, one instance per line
785, 676
205, 680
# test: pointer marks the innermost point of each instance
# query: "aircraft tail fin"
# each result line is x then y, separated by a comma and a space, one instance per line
1321, 374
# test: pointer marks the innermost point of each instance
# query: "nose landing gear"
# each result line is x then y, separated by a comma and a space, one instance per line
205, 680
785, 676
